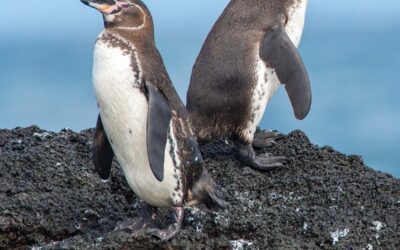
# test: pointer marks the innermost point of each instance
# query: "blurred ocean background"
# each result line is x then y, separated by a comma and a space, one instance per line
351, 50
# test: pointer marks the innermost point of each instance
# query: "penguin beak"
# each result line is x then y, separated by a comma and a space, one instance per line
105, 6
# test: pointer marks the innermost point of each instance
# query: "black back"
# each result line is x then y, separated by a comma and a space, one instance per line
224, 75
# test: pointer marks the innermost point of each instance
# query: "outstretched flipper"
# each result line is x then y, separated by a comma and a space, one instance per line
279, 53
158, 120
102, 151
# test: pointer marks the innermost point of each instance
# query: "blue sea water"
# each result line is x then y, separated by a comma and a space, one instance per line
351, 51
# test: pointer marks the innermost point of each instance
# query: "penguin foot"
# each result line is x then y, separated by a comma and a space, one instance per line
137, 226
264, 162
165, 234
267, 162
266, 138
147, 219
171, 230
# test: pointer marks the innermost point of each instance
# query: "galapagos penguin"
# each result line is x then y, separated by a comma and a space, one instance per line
143, 122
248, 54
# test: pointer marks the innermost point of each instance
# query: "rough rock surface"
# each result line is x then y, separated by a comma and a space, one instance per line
50, 198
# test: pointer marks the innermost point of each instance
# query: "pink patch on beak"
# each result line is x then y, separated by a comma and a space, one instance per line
115, 8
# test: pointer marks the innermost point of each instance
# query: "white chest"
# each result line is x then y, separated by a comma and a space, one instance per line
266, 85
123, 109
295, 24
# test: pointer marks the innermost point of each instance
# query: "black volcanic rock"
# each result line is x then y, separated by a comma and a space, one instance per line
50, 197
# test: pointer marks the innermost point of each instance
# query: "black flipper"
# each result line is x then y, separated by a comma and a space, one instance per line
279, 53
102, 151
158, 121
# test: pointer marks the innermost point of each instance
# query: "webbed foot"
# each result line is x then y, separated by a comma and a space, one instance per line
171, 230
265, 138
147, 218
264, 162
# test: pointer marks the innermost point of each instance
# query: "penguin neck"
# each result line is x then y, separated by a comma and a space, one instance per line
144, 31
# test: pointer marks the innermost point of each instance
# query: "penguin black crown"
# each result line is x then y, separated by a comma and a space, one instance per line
142, 121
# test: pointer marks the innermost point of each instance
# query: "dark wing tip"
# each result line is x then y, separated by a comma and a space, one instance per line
154, 164
301, 103
215, 200
104, 176
208, 192
103, 153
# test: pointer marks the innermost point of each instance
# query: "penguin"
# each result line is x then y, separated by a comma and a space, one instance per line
143, 123
250, 51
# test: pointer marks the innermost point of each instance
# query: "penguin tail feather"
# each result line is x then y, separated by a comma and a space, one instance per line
214, 200
206, 191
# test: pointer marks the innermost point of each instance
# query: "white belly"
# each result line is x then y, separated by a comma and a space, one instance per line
267, 81
266, 86
123, 110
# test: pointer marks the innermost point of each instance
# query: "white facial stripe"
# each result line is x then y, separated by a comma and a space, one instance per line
111, 18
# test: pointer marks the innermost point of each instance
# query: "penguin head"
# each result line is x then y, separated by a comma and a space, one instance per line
120, 13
